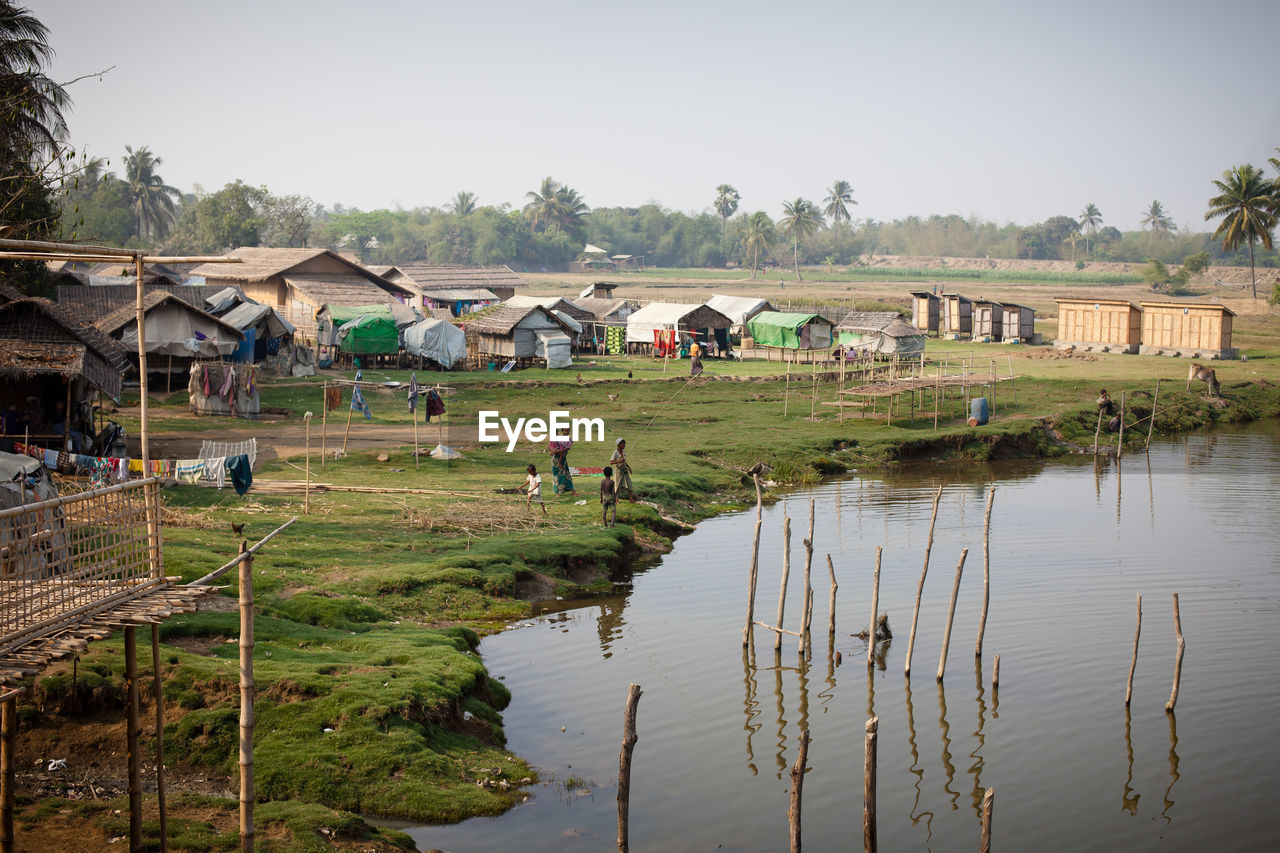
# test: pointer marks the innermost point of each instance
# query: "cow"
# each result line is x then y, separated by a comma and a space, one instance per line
1207, 375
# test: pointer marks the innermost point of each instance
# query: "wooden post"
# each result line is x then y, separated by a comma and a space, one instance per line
246, 701
748, 630
143, 432
8, 739
1120, 436
995, 677
1177, 664
915, 614
1097, 431
786, 400
1152, 425
160, 793
869, 788
806, 620
1013, 383
875, 604
937, 393
414, 415
797, 791
986, 572
988, 806
951, 612
131, 737
1133, 661
786, 572
831, 603
306, 494
350, 411
324, 423
629, 739
813, 400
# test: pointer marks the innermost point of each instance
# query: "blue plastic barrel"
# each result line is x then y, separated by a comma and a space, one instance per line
978, 410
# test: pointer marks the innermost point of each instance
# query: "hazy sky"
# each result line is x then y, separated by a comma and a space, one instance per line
1010, 111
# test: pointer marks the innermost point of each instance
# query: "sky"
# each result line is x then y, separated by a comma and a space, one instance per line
1007, 111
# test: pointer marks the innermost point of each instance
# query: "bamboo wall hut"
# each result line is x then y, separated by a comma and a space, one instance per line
1191, 329
1102, 325
608, 324
525, 335
671, 323
926, 311
584, 319
988, 319
957, 314
1019, 323
884, 332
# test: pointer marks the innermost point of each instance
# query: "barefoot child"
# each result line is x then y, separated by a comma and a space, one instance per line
608, 499
533, 489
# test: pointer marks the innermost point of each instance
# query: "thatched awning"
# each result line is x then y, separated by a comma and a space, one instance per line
36, 337
504, 318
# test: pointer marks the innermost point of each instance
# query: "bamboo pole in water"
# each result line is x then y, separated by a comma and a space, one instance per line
1097, 431
986, 572
806, 620
831, 602
1133, 661
797, 792
786, 572
246, 701
1177, 664
1152, 425
915, 614
988, 806
995, 677
747, 630
951, 612
1120, 435
629, 739
875, 603
869, 788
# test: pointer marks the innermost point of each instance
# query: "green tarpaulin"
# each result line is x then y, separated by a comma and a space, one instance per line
793, 331
365, 329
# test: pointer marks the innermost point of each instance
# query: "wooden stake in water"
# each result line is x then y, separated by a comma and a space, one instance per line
831, 602
1120, 436
995, 676
875, 604
1177, 664
629, 739
786, 572
806, 620
915, 614
1152, 425
988, 806
951, 613
1133, 662
797, 791
748, 630
869, 788
986, 572
1097, 431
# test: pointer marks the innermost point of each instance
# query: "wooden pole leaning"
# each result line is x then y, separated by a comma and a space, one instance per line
831, 602
1120, 435
246, 700
915, 614
875, 604
131, 737
951, 613
869, 787
986, 572
797, 791
8, 765
1133, 661
324, 423
1152, 425
350, 411
1177, 664
1097, 431
161, 801
988, 807
806, 619
786, 572
629, 738
748, 630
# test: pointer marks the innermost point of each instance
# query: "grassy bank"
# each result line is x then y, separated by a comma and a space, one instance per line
372, 698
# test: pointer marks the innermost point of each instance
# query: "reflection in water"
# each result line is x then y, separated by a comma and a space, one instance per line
1129, 799
1151, 492
1173, 766
1119, 469
803, 671
916, 769
946, 747
610, 622
750, 706
782, 720
976, 755
828, 692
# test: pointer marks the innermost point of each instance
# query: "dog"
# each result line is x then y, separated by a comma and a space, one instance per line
1207, 375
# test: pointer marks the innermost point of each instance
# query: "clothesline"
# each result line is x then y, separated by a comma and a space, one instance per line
105, 469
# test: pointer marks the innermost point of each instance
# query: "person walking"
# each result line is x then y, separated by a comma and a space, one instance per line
695, 358
533, 489
623, 467
561, 477
608, 499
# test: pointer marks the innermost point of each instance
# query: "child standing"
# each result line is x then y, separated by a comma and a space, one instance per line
533, 489
608, 499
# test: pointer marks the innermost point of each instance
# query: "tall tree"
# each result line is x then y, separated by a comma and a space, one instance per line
1090, 219
727, 199
1245, 204
757, 234
542, 203
152, 199
463, 204
1157, 220
800, 218
568, 210
838, 198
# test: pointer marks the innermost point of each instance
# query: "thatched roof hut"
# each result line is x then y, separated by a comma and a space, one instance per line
39, 339
429, 281
584, 318
93, 302
521, 333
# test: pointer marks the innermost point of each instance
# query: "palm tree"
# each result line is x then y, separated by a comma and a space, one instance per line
463, 204
568, 209
542, 203
151, 198
727, 199
1245, 204
1157, 220
800, 218
31, 122
840, 195
1090, 219
757, 233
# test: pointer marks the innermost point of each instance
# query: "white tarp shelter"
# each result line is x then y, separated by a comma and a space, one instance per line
440, 341
672, 316
739, 309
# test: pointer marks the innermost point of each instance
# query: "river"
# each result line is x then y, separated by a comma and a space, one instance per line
1071, 545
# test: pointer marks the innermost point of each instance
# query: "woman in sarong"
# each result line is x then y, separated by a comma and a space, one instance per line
561, 480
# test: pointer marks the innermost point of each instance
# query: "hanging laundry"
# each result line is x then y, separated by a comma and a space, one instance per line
333, 398
241, 473
51, 459
413, 393
250, 382
135, 466
228, 381
204, 380
435, 405
357, 401
189, 470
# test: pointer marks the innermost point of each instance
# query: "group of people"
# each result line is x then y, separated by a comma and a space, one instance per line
33, 419
562, 480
